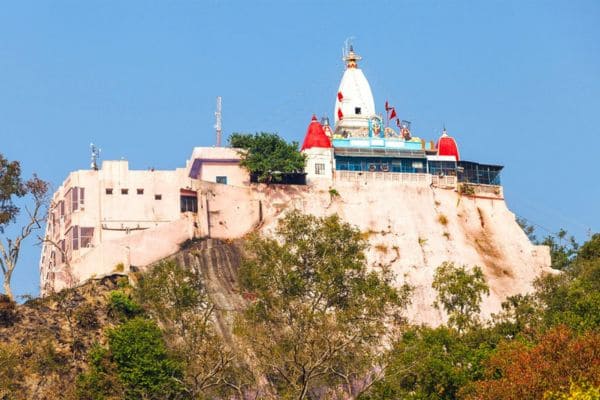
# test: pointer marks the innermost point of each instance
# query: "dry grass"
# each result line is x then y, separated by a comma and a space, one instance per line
382, 248
442, 219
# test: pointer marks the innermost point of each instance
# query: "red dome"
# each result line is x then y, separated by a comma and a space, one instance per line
315, 136
447, 146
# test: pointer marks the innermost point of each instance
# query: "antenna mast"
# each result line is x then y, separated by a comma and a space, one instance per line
95, 156
218, 126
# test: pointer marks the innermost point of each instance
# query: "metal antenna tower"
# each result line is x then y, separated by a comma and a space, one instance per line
218, 125
95, 156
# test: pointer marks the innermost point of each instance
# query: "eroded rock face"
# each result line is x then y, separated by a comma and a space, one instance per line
412, 229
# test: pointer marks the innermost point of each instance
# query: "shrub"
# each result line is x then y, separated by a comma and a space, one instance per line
143, 364
122, 306
442, 219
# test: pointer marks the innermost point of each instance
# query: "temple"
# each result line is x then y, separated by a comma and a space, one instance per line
112, 218
363, 146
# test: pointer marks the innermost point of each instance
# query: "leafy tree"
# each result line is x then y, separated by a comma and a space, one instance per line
268, 155
459, 293
143, 364
576, 392
11, 188
319, 313
528, 229
563, 249
434, 363
177, 297
519, 371
572, 297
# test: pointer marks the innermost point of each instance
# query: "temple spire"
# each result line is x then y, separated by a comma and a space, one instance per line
351, 58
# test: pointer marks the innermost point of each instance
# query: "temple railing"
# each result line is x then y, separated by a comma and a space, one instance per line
400, 177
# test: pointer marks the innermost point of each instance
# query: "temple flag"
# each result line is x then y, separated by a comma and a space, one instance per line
387, 106
393, 113
340, 96
340, 114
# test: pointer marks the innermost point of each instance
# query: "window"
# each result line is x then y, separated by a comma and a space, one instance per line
320, 169
81, 196
222, 179
124, 191
357, 110
86, 236
109, 191
158, 197
140, 191
75, 237
189, 203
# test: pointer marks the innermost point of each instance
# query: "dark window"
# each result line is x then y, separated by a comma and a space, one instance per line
357, 110
189, 203
124, 191
81, 195
75, 236
109, 191
222, 179
319, 169
158, 197
140, 191
87, 234
74, 198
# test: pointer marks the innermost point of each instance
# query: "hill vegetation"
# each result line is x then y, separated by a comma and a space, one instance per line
316, 322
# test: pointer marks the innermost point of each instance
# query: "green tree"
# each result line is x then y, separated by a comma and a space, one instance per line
459, 293
144, 365
320, 314
433, 363
563, 249
12, 187
268, 155
177, 297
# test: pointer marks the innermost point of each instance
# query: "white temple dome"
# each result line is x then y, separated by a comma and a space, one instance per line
354, 104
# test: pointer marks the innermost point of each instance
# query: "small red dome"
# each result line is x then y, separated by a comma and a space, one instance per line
447, 146
315, 136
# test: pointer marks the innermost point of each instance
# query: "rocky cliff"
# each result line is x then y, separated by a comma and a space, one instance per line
412, 229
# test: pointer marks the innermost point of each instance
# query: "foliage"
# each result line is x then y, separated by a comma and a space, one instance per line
563, 249
520, 371
177, 297
573, 297
576, 392
122, 306
268, 155
11, 188
319, 313
528, 229
143, 363
10, 374
433, 363
459, 293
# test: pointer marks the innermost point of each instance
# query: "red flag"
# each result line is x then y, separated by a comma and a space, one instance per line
340, 96
340, 114
393, 113
387, 106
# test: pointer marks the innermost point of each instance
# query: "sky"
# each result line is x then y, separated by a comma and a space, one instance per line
516, 83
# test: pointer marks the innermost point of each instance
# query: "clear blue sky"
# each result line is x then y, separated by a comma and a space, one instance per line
516, 82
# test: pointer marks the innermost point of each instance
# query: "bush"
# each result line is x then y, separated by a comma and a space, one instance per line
143, 364
122, 306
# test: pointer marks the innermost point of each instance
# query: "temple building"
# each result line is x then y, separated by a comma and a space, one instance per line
363, 145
